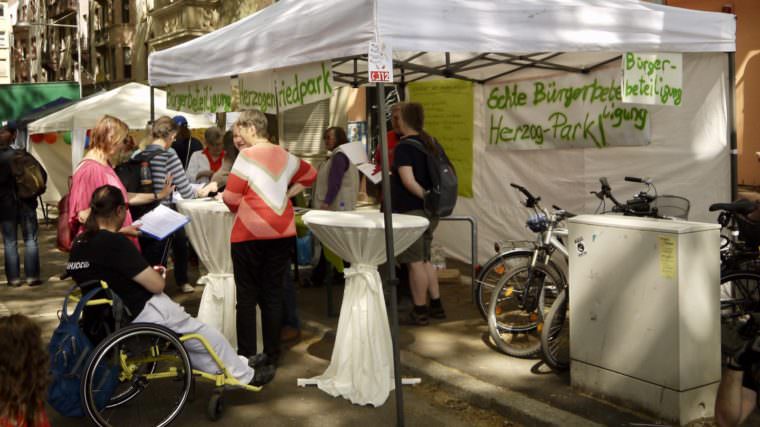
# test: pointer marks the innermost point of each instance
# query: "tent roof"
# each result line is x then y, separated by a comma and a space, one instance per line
475, 32
130, 103
44, 110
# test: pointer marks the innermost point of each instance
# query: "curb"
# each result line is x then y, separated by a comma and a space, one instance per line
514, 405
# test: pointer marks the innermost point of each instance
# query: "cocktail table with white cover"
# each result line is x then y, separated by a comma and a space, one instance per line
361, 366
209, 232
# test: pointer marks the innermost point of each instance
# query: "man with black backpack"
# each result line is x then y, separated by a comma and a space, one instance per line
22, 180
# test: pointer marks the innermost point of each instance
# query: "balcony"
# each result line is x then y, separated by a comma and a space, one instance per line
60, 8
176, 21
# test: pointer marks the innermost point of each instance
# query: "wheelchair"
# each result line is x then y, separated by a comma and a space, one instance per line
155, 375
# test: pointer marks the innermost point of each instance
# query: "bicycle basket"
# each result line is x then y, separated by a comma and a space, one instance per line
749, 231
537, 223
672, 206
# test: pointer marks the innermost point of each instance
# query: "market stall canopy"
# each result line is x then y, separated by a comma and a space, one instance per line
130, 103
478, 40
47, 109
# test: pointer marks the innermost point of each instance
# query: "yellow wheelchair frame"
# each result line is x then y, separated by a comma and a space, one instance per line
129, 366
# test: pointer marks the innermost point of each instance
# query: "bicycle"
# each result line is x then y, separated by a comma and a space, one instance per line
520, 298
555, 334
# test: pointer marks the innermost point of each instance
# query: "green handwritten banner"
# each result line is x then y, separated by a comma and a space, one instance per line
256, 90
297, 86
449, 118
653, 78
209, 96
572, 111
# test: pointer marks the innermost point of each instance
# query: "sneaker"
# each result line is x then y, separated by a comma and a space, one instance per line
187, 288
34, 282
437, 312
15, 283
263, 375
415, 319
258, 361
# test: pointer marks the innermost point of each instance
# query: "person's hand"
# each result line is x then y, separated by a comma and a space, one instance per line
745, 357
168, 188
131, 230
83, 215
212, 187
219, 197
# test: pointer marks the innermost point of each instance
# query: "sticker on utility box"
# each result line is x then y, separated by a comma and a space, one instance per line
667, 248
580, 246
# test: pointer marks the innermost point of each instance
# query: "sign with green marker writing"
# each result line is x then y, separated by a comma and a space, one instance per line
256, 90
211, 96
297, 86
569, 111
653, 78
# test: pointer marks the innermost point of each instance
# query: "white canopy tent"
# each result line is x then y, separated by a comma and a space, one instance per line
130, 103
485, 41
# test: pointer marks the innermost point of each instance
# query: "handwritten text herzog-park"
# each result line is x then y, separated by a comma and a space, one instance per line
569, 115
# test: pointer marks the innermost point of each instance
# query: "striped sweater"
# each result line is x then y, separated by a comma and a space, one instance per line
257, 192
167, 162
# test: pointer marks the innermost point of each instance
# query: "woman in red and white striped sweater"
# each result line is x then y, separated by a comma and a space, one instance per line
263, 179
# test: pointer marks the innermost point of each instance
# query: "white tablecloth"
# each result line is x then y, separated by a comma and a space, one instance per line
209, 233
361, 366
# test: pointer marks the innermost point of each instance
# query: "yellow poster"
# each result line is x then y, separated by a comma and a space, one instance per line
448, 118
668, 252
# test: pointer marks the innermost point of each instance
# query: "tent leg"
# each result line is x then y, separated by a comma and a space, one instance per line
390, 265
152, 105
732, 124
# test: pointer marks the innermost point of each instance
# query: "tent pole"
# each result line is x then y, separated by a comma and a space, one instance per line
152, 105
732, 124
390, 265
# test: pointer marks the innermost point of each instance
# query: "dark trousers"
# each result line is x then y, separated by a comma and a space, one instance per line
259, 269
156, 252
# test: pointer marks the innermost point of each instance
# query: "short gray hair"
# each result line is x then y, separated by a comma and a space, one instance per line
255, 119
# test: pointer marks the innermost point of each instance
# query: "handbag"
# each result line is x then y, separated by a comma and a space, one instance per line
65, 234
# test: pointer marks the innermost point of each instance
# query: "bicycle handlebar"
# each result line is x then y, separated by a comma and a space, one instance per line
531, 198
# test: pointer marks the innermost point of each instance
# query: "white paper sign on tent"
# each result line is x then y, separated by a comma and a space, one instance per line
304, 84
211, 96
380, 62
257, 90
653, 78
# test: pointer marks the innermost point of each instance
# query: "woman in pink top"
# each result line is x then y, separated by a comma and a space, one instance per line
109, 138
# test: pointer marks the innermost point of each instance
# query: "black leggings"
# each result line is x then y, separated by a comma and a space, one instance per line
259, 269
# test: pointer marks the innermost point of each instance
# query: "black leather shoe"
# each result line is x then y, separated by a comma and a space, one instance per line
258, 360
263, 375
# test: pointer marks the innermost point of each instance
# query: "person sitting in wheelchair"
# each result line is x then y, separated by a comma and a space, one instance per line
101, 253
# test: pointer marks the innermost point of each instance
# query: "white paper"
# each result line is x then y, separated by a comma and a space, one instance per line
368, 169
161, 222
652, 78
355, 152
380, 62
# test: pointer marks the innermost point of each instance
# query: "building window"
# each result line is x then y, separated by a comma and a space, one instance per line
127, 62
125, 11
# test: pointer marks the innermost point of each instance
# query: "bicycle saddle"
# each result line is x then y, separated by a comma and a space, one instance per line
742, 206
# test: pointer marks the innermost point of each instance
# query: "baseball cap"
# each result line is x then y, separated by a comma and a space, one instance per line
9, 125
180, 121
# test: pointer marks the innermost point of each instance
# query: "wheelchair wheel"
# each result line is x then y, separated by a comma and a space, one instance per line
215, 406
138, 376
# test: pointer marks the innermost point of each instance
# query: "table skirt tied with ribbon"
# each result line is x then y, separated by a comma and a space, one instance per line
361, 365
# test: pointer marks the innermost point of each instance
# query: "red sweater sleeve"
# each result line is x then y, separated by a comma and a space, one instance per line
306, 175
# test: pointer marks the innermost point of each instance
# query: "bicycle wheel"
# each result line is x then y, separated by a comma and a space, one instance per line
493, 271
739, 297
518, 306
555, 334
145, 374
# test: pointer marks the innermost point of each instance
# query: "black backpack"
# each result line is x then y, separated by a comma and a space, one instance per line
129, 174
30, 176
442, 197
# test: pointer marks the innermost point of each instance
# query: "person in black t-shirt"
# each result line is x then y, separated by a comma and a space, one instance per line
410, 180
101, 253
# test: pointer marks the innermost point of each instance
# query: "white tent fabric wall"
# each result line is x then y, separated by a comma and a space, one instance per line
56, 159
688, 156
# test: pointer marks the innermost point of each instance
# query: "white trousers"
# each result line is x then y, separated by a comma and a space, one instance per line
161, 310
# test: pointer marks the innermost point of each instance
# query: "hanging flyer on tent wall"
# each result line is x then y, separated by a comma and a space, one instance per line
652, 78
380, 62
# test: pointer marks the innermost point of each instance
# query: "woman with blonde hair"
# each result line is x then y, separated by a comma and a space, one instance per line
263, 179
110, 137
23, 373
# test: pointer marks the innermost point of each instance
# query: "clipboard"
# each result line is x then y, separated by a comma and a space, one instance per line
161, 222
